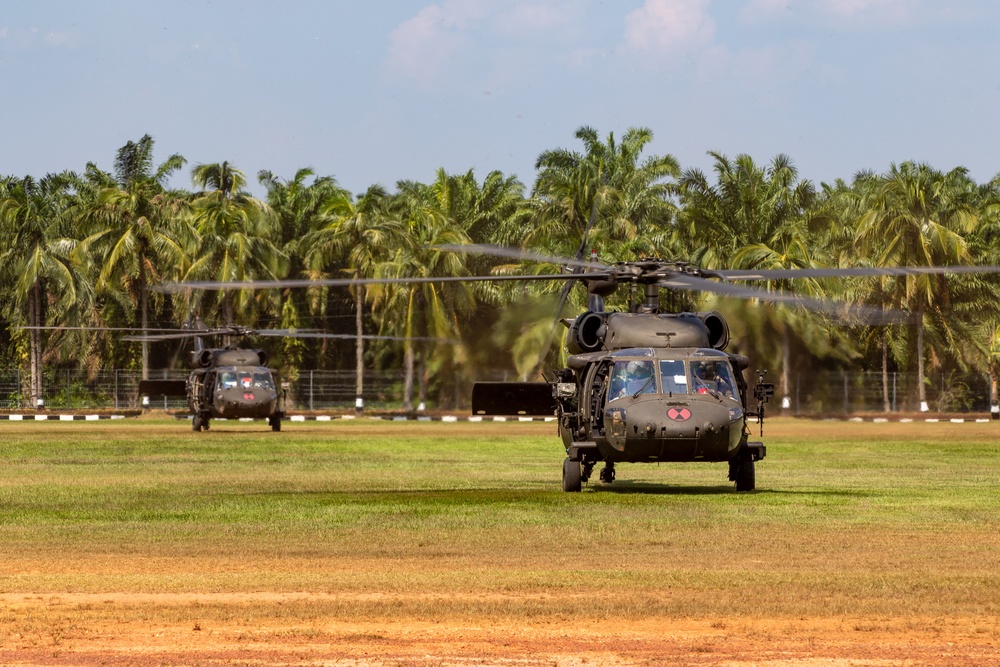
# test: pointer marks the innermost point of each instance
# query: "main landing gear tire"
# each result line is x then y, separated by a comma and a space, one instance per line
745, 477
571, 476
196, 423
275, 423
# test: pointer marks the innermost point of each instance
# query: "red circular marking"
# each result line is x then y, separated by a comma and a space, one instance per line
679, 415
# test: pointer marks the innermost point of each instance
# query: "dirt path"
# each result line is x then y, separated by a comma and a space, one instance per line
147, 630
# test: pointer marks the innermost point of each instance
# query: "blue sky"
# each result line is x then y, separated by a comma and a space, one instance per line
373, 92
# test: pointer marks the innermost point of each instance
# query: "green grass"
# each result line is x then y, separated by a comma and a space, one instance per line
847, 519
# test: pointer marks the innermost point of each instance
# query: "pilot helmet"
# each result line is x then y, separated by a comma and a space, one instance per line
639, 369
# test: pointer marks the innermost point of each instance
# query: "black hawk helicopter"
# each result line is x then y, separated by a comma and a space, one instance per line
230, 382
644, 386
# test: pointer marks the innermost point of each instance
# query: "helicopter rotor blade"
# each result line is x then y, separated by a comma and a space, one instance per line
848, 312
849, 272
350, 282
517, 253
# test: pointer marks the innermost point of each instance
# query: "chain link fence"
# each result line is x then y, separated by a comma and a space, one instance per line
816, 393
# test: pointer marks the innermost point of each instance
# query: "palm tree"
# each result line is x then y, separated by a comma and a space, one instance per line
139, 233
757, 217
424, 309
236, 236
917, 220
300, 208
607, 197
359, 235
38, 259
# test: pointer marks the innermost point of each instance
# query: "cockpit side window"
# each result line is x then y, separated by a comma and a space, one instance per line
227, 380
673, 376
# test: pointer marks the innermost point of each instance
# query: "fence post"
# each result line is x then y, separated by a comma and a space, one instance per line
20, 389
311, 390
115, 385
164, 396
894, 408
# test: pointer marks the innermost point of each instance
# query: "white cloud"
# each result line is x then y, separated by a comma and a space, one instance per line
422, 47
662, 26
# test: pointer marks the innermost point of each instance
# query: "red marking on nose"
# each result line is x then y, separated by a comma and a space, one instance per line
679, 415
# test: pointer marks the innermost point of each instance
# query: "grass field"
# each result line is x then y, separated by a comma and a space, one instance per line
429, 543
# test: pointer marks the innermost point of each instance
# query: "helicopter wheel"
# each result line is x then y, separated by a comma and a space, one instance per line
571, 476
745, 476
196, 423
275, 423
608, 473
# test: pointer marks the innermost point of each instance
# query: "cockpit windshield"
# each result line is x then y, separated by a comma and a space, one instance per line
245, 379
632, 378
710, 377
673, 376
262, 380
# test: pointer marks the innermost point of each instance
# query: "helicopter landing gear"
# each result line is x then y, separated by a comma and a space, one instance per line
571, 478
275, 423
608, 472
741, 471
196, 423
588, 468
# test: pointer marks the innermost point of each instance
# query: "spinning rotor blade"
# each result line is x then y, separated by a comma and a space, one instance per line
270, 333
852, 272
305, 333
350, 282
516, 253
849, 312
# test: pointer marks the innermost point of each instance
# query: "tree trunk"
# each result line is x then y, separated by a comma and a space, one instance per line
994, 393
786, 365
408, 376
359, 357
886, 406
408, 357
35, 345
144, 314
422, 386
921, 390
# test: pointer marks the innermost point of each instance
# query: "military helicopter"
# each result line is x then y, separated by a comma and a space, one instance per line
229, 382
645, 386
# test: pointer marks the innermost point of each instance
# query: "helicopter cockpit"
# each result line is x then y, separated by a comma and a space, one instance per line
232, 378
704, 372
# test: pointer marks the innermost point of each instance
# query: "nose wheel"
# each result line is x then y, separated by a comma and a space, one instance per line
608, 473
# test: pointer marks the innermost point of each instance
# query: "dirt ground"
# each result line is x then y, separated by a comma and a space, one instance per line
143, 629
301, 629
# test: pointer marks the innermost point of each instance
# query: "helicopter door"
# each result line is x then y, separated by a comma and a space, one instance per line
596, 383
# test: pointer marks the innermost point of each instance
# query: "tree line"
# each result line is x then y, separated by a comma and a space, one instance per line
85, 252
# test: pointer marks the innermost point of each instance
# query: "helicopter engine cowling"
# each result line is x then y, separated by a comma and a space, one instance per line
586, 333
718, 329
203, 358
262, 354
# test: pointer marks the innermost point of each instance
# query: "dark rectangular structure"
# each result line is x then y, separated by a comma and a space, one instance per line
526, 399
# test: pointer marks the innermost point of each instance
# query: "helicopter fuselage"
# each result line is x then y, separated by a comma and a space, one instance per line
666, 414
643, 387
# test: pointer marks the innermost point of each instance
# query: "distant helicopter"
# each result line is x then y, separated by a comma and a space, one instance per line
645, 386
226, 383
230, 382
